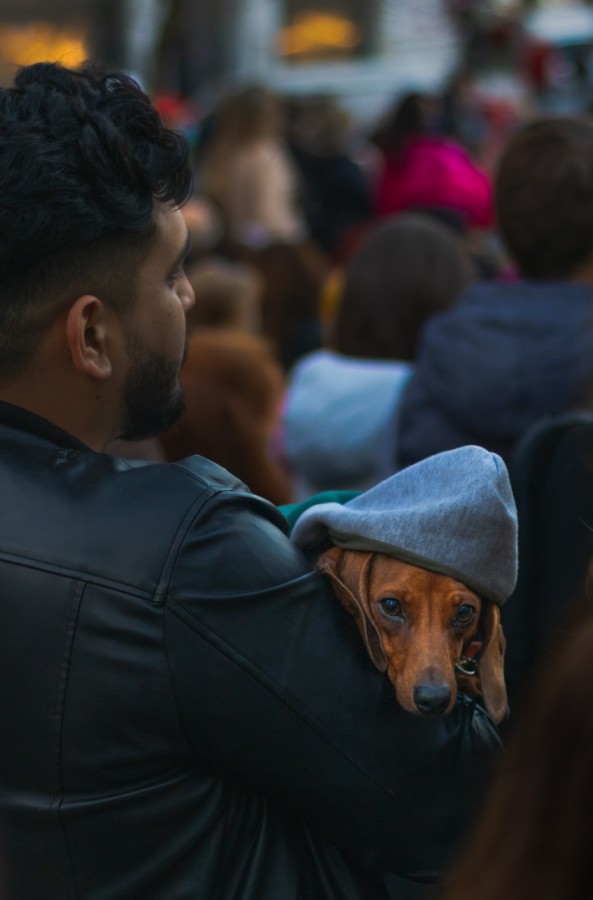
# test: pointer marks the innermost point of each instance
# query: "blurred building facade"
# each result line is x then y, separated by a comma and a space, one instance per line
360, 50
352, 47
364, 51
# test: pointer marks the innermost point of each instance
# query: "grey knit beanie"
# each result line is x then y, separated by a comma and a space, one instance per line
453, 513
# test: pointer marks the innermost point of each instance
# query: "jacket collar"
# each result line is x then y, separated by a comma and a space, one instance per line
20, 419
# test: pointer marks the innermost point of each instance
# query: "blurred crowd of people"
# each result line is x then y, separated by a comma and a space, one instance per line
366, 300
329, 250
328, 247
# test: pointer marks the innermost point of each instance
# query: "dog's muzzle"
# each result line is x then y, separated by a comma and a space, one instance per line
432, 699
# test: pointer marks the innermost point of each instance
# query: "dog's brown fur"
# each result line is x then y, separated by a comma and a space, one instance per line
437, 621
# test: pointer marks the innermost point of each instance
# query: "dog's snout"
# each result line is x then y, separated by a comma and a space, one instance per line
432, 699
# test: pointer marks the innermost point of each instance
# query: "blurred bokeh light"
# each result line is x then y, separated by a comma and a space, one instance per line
314, 35
25, 43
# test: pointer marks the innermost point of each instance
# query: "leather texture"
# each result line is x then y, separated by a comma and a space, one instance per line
187, 711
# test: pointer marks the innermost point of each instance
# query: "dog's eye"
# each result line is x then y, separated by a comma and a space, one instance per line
391, 607
464, 614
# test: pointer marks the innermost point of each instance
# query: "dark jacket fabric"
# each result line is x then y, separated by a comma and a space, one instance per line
552, 478
187, 712
503, 357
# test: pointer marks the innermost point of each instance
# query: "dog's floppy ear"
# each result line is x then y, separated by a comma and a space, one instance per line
491, 666
349, 574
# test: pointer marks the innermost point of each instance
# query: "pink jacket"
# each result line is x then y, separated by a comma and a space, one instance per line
435, 171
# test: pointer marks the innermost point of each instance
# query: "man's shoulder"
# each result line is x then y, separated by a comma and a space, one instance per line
191, 486
126, 521
197, 469
177, 490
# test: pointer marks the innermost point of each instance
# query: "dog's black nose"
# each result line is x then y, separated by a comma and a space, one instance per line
432, 699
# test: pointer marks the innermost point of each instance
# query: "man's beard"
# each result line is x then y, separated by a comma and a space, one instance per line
153, 398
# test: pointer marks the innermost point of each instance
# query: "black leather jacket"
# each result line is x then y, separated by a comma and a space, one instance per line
186, 710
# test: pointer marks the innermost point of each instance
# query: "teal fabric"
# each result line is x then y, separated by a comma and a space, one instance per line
292, 511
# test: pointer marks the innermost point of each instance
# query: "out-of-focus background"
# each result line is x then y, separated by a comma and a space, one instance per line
314, 125
364, 52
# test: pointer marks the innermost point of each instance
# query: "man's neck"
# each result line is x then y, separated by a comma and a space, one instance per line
17, 417
77, 417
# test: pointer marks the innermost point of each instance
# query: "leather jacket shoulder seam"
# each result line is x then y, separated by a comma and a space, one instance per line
192, 513
75, 574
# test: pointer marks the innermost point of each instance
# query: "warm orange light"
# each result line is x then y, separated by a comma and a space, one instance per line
31, 42
314, 33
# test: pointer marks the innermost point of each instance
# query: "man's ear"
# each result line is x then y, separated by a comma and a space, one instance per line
86, 333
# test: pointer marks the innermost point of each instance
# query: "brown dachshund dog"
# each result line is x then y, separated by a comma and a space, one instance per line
424, 629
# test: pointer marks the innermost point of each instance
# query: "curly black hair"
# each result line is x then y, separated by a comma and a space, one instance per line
84, 161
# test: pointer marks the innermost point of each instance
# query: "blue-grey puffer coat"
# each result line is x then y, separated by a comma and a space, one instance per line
503, 357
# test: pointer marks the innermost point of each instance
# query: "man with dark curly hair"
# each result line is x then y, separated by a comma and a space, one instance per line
186, 710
